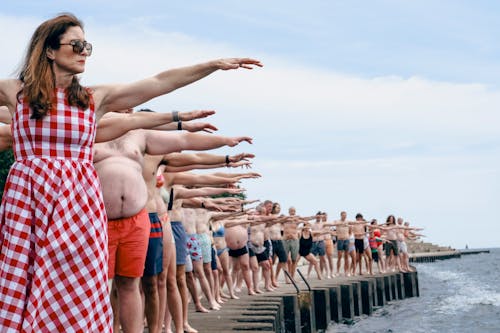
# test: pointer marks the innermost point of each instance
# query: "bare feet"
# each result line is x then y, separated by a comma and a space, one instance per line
215, 306
234, 297
189, 329
200, 308
224, 295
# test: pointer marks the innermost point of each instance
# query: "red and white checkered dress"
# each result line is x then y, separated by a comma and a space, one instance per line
53, 238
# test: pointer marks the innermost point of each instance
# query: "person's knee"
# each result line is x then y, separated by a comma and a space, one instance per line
126, 284
150, 284
180, 273
171, 281
162, 279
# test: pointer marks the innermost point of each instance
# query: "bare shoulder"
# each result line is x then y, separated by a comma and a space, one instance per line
8, 92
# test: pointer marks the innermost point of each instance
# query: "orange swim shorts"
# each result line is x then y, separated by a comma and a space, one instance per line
128, 240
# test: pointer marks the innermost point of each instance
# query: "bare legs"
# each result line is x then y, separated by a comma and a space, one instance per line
182, 286
173, 306
200, 274
130, 310
224, 261
150, 286
243, 263
314, 263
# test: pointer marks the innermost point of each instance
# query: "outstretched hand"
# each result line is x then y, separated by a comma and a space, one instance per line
236, 140
198, 114
250, 175
241, 157
196, 127
235, 63
243, 164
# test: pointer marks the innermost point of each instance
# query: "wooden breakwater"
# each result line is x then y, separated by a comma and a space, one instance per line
442, 255
309, 306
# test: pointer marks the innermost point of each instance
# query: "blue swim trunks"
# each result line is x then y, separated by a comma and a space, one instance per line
154, 256
180, 242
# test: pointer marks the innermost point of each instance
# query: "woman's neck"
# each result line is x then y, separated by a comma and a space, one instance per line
63, 80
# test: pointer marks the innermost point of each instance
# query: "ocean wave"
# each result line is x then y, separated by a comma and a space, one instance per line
467, 291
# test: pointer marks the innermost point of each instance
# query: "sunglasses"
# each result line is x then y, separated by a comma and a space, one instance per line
79, 46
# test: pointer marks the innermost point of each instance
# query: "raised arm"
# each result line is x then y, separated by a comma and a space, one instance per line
186, 178
190, 126
225, 216
124, 96
234, 223
160, 143
238, 175
207, 204
183, 159
115, 124
209, 191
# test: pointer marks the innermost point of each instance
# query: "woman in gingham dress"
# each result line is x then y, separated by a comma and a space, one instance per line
53, 241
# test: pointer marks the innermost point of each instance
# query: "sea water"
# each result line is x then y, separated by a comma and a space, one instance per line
456, 295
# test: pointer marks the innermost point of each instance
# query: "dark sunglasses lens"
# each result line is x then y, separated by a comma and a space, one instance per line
79, 46
88, 47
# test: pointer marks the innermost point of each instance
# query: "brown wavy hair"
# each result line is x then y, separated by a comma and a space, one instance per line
37, 73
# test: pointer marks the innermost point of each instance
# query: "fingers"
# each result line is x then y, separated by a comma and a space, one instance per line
249, 63
210, 127
245, 138
203, 113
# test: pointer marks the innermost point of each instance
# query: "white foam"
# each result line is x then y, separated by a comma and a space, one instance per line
469, 292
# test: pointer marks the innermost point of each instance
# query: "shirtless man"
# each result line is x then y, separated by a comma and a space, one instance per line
318, 248
291, 241
236, 237
119, 164
342, 229
291, 238
259, 253
268, 208
359, 231
279, 252
260, 246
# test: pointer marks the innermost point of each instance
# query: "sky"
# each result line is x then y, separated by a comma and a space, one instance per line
378, 107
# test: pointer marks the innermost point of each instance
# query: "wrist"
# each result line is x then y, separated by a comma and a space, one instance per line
175, 116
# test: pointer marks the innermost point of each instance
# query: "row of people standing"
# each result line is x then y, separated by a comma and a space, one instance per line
53, 220
361, 243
